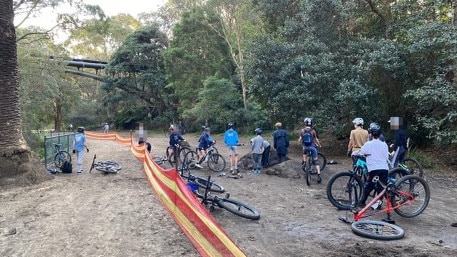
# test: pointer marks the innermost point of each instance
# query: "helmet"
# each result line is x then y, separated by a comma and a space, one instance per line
230, 125
206, 129
374, 129
358, 121
258, 131
308, 121
80, 130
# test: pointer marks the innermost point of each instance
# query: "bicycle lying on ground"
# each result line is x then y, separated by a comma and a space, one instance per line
343, 187
61, 156
213, 159
233, 206
309, 169
408, 197
184, 172
105, 166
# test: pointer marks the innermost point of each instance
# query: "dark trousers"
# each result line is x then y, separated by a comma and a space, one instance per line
370, 185
266, 156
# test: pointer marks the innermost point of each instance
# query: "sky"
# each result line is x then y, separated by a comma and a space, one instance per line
110, 7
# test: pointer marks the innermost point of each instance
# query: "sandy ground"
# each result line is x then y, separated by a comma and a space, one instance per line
93, 214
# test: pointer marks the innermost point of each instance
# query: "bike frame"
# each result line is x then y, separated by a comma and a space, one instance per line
389, 207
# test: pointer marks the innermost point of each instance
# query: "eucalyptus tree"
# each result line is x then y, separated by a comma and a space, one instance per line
136, 71
196, 52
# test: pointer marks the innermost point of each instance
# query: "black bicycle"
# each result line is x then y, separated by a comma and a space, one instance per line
309, 169
231, 205
184, 172
61, 156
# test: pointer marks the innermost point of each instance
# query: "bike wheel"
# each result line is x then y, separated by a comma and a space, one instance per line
213, 186
191, 159
61, 157
344, 190
412, 166
216, 162
375, 229
238, 208
182, 153
308, 169
322, 161
396, 173
411, 196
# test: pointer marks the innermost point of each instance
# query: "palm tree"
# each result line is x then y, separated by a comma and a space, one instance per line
17, 162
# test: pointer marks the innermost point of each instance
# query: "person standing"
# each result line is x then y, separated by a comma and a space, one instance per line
280, 142
79, 145
310, 142
400, 141
257, 151
377, 155
357, 137
106, 128
231, 141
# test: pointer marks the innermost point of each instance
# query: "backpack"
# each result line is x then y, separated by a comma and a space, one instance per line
307, 137
67, 167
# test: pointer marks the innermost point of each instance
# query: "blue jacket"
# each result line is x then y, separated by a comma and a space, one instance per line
231, 137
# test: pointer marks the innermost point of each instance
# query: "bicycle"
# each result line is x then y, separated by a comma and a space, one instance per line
309, 169
105, 166
182, 149
213, 159
204, 183
408, 197
236, 207
343, 187
61, 156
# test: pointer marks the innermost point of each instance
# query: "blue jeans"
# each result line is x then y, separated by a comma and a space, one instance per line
313, 151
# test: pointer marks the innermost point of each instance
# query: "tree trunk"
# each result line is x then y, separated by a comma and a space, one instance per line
18, 165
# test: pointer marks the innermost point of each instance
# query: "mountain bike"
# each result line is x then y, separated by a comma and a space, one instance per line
182, 149
105, 166
346, 186
236, 207
408, 197
185, 173
309, 169
61, 156
214, 160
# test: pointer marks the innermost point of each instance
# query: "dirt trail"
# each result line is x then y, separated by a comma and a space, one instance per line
119, 215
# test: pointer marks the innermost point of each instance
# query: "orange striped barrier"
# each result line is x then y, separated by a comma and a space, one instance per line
203, 231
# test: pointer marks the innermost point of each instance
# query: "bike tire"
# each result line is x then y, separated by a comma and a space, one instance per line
216, 162
322, 161
214, 187
182, 153
191, 159
238, 208
106, 169
61, 157
411, 196
307, 169
344, 190
396, 173
375, 229
412, 166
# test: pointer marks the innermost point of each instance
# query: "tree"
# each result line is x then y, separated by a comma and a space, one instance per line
16, 159
136, 70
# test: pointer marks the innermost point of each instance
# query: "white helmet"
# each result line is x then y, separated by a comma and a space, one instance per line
308, 121
358, 121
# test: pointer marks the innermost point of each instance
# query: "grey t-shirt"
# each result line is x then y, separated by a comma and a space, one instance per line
257, 144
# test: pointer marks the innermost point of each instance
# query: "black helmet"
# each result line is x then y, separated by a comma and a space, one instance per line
374, 129
258, 131
308, 121
80, 130
230, 125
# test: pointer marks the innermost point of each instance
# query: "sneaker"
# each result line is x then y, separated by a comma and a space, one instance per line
80, 171
198, 165
234, 172
319, 178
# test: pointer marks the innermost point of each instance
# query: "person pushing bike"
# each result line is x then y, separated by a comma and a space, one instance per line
310, 141
175, 139
204, 142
